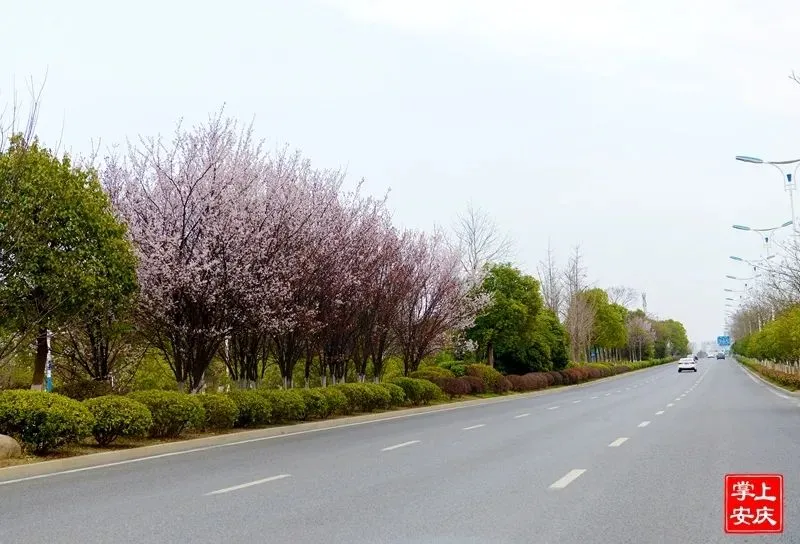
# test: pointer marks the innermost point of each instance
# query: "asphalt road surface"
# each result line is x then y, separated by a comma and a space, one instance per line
639, 459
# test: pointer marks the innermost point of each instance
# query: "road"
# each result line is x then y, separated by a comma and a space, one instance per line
638, 459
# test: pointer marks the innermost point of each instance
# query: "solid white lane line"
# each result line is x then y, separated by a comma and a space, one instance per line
618, 442
521, 415
659, 412
553, 408
248, 484
402, 445
567, 479
479, 425
670, 405
644, 424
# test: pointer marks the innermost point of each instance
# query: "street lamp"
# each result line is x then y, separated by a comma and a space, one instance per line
760, 232
754, 264
789, 185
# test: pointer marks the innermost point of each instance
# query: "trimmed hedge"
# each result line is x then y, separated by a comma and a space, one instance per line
458, 368
779, 377
43, 421
493, 381
116, 416
417, 390
254, 409
286, 405
221, 411
173, 412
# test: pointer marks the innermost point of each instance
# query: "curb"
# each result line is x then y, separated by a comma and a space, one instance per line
767, 382
90, 461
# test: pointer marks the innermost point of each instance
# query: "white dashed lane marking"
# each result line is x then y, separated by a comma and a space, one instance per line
568, 478
478, 426
659, 412
618, 442
521, 415
402, 445
644, 424
553, 408
248, 484
670, 405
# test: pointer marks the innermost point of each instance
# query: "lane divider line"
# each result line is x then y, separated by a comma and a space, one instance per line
248, 484
401, 445
568, 478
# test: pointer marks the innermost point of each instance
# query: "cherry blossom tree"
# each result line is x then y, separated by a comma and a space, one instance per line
199, 211
437, 302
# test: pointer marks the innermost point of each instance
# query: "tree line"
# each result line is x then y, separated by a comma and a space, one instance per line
206, 249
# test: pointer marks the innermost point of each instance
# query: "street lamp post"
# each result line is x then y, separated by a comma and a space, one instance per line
764, 234
755, 264
788, 178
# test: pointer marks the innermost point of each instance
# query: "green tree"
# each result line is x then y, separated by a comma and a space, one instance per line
507, 323
61, 247
671, 339
516, 331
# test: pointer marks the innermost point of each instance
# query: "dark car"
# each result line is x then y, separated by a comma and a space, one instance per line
720, 355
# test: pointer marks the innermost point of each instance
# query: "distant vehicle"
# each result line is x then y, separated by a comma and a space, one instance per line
721, 355
687, 363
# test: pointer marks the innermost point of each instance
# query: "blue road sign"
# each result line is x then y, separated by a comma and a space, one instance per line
723, 340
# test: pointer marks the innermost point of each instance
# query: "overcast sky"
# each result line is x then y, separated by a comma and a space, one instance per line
612, 125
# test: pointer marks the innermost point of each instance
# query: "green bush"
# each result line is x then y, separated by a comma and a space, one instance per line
43, 421
397, 397
116, 416
287, 404
458, 368
364, 397
418, 391
428, 372
316, 403
493, 381
254, 409
173, 412
221, 411
335, 401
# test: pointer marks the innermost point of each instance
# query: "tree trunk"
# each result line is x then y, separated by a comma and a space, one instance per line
490, 354
40, 363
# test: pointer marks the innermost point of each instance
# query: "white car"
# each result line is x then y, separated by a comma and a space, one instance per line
687, 363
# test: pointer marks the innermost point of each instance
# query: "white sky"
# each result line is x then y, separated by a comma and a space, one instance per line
610, 124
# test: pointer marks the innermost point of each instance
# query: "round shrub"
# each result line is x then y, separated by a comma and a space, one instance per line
429, 392
411, 387
316, 403
335, 401
221, 411
492, 379
253, 409
476, 386
455, 387
43, 421
397, 397
354, 395
558, 379
116, 416
172, 412
287, 404
567, 378
378, 397
502, 385
458, 368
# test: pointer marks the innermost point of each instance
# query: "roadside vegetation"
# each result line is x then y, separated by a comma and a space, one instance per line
199, 284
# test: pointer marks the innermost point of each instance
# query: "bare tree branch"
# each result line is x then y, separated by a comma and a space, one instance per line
479, 241
552, 283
